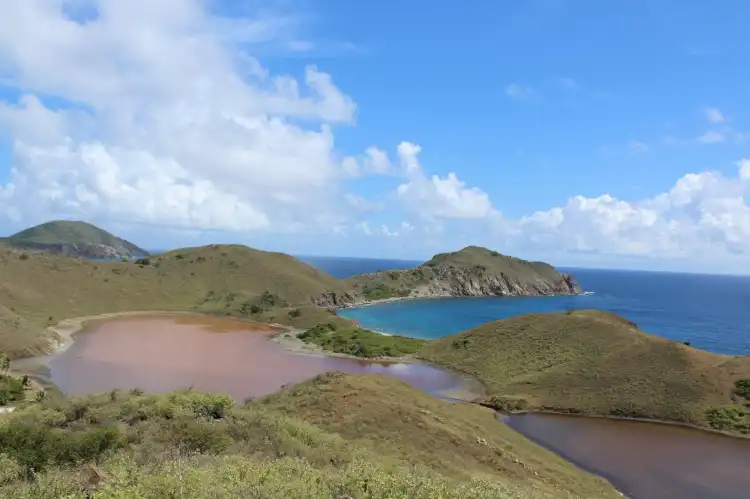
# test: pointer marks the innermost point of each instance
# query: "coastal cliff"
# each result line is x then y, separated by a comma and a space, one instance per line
472, 271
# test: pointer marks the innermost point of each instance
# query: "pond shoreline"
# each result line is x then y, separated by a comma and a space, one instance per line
67, 329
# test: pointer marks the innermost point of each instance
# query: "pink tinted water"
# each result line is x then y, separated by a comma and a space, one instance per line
163, 353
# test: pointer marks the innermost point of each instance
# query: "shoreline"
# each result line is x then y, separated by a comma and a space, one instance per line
689, 426
67, 329
394, 299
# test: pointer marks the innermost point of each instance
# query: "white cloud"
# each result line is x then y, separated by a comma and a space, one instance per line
362, 204
703, 214
519, 91
172, 122
376, 161
711, 137
713, 115
638, 147
438, 197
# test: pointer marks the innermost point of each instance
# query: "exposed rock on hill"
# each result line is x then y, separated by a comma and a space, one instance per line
472, 271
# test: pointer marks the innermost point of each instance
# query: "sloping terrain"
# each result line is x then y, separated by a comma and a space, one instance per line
79, 239
195, 445
472, 271
38, 289
592, 362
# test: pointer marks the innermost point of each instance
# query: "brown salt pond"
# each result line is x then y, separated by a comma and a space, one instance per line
646, 460
166, 352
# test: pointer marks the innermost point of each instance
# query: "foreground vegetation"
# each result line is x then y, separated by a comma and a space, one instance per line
352, 340
302, 442
593, 362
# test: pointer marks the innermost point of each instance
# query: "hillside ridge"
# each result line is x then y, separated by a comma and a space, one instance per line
471, 271
594, 362
73, 238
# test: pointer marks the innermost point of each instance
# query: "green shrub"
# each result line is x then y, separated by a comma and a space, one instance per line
729, 418
360, 342
742, 388
36, 447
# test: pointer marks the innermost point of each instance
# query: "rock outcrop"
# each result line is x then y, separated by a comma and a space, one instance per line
470, 272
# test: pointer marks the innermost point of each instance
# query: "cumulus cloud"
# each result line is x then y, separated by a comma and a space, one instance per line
436, 197
159, 115
702, 214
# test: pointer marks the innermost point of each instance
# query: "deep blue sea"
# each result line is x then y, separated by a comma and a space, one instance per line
711, 312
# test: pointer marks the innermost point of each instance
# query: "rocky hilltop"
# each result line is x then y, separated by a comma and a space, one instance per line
472, 271
76, 239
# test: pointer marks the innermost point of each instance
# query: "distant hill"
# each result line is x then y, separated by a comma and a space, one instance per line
78, 239
595, 362
472, 271
40, 289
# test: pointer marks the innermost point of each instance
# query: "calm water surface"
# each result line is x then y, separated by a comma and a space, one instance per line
164, 353
646, 460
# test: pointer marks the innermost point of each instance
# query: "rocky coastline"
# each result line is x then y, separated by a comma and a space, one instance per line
428, 282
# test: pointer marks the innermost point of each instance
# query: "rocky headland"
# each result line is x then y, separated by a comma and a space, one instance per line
472, 271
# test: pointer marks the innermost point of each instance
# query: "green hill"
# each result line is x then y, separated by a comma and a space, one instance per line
472, 271
337, 436
594, 362
79, 239
40, 289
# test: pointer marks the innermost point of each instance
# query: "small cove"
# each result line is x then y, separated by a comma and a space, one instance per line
161, 353
645, 460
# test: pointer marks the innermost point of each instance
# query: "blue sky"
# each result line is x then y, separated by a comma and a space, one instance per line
581, 132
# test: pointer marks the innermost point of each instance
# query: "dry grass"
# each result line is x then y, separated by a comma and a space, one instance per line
337, 436
591, 362
458, 440
39, 290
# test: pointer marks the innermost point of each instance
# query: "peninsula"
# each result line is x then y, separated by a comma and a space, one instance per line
471, 271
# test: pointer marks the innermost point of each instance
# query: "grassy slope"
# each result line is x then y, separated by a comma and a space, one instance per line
336, 436
67, 233
495, 263
592, 362
398, 283
39, 290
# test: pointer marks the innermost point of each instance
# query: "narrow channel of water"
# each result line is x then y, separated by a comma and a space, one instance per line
646, 460
164, 353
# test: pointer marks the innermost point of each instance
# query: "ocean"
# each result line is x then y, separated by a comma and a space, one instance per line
711, 312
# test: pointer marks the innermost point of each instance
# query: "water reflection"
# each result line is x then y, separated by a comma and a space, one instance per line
646, 460
163, 353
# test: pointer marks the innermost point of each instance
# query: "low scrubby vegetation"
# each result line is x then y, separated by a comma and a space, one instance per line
597, 363
352, 340
195, 445
736, 417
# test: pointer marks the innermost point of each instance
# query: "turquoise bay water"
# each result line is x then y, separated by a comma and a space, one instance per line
711, 312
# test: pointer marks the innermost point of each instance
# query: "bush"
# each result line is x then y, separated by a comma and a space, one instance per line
742, 388
37, 447
295, 313
11, 389
360, 342
506, 404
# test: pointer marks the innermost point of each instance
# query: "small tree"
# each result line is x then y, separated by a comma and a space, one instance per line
4, 363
